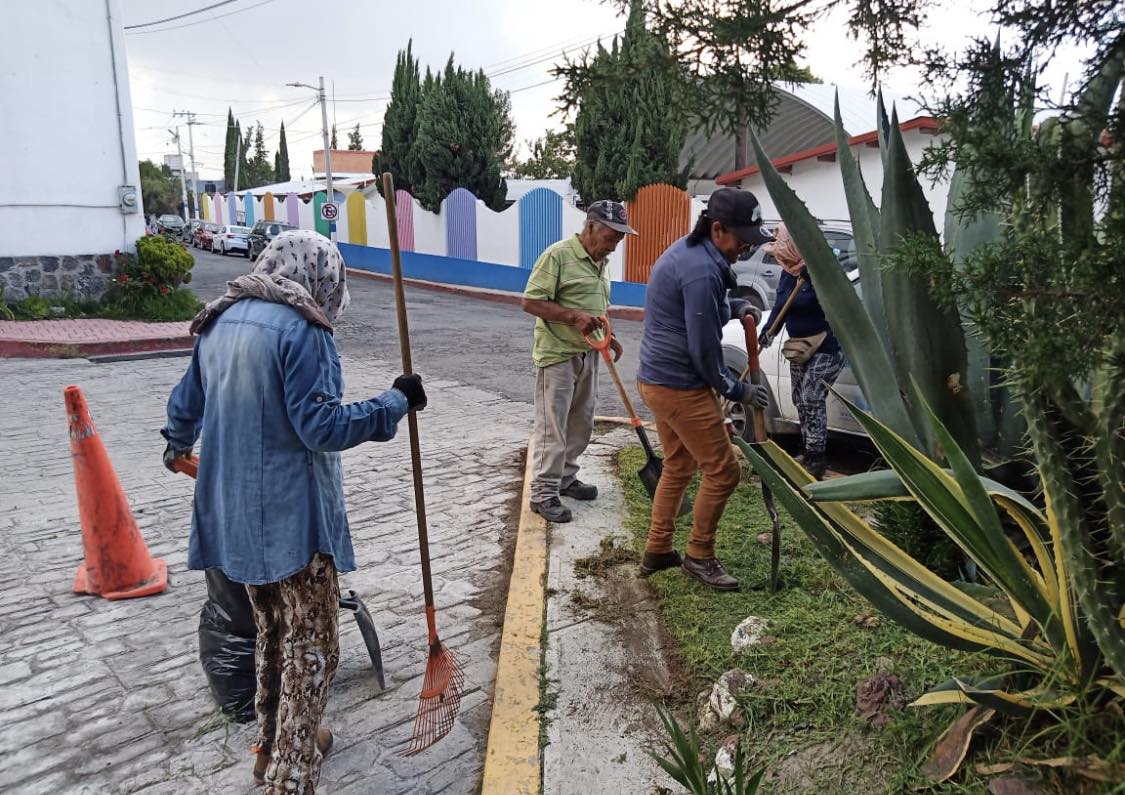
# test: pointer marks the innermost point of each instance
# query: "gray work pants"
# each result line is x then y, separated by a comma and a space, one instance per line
564, 419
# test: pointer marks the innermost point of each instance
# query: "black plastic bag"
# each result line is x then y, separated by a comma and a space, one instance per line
226, 645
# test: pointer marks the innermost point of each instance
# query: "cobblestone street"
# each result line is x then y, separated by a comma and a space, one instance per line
103, 696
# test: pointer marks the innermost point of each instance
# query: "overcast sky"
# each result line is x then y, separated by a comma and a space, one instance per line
241, 55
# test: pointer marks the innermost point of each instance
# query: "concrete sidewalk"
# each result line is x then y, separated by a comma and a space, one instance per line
61, 339
109, 697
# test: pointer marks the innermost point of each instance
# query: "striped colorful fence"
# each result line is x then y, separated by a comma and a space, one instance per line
292, 210
267, 207
541, 222
248, 209
404, 216
661, 214
460, 209
356, 207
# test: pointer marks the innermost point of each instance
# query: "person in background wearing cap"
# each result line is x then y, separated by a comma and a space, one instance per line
686, 307
568, 291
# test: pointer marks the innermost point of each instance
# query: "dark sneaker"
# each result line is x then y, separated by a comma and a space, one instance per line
815, 463
552, 510
580, 491
658, 561
709, 572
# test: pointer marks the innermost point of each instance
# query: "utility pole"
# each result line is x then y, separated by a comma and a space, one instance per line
331, 196
191, 122
237, 157
183, 183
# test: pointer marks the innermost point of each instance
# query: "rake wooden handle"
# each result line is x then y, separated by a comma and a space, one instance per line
411, 417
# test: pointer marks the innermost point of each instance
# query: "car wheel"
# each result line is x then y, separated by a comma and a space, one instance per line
751, 295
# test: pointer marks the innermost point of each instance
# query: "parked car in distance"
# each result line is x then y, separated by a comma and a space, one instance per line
204, 235
188, 235
170, 224
263, 232
781, 415
229, 238
757, 275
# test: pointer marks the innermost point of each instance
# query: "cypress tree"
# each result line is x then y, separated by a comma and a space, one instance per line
229, 150
281, 159
463, 138
397, 140
627, 134
334, 144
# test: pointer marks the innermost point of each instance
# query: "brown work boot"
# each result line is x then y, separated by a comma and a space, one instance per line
658, 561
710, 572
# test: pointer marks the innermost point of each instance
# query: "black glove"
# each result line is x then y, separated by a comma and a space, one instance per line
764, 340
411, 386
170, 456
748, 309
757, 395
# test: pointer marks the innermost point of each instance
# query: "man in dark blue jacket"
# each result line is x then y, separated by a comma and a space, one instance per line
686, 307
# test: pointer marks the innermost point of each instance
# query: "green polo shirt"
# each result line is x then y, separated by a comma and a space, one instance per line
566, 274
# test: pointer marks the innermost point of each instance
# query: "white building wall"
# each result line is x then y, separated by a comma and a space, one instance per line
66, 131
819, 184
498, 235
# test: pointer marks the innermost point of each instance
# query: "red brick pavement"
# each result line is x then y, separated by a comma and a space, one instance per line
62, 339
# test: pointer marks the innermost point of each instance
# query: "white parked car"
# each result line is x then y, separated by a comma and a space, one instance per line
781, 416
231, 238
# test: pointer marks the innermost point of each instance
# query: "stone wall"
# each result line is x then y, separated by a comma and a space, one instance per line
84, 277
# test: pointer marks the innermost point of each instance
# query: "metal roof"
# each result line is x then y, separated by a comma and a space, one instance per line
803, 120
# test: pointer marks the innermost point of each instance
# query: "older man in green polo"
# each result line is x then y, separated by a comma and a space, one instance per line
568, 291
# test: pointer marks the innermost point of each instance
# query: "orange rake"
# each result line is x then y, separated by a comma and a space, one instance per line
444, 681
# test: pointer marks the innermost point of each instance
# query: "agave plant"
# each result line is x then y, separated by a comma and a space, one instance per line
1044, 630
684, 763
898, 330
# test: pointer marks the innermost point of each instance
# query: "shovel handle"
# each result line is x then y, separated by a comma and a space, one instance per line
188, 465
602, 347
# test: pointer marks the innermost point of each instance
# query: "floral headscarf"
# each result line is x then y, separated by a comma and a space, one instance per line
300, 268
784, 250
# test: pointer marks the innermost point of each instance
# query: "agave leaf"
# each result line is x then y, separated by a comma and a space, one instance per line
943, 498
979, 503
894, 582
885, 484
865, 227
882, 127
926, 340
950, 749
849, 320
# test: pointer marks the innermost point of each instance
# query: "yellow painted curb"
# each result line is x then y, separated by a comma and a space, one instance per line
512, 762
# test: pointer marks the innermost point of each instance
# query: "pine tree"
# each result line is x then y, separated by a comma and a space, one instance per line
626, 133
244, 177
333, 144
229, 150
355, 140
281, 158
463, 138
397, 141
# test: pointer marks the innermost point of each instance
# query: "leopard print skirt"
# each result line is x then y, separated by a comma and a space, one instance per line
296, 656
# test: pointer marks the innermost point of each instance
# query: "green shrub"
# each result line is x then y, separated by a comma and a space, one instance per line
34, 307
911, 529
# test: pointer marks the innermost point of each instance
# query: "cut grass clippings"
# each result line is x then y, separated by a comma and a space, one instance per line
801, 720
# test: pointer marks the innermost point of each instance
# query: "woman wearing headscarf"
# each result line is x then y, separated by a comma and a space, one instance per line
814, 354
264, 389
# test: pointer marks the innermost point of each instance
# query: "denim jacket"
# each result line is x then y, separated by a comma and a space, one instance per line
263, 389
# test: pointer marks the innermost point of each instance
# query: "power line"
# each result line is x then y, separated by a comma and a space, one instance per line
180, 16
202, 21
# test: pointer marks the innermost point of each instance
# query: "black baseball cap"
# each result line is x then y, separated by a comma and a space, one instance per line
738, 210
612, 214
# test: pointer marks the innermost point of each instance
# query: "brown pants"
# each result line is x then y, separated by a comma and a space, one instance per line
296, 656
690, 425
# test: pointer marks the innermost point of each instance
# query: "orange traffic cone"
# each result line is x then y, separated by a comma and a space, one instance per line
118, 564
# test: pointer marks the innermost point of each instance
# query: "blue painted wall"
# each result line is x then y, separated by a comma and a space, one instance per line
467, 273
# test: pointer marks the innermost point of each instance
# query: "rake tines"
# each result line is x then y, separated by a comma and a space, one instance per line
440, 699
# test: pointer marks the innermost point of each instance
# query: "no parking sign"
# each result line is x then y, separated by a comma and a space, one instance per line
329, 211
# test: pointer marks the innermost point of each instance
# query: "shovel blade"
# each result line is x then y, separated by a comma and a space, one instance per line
650, 477
367, 632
